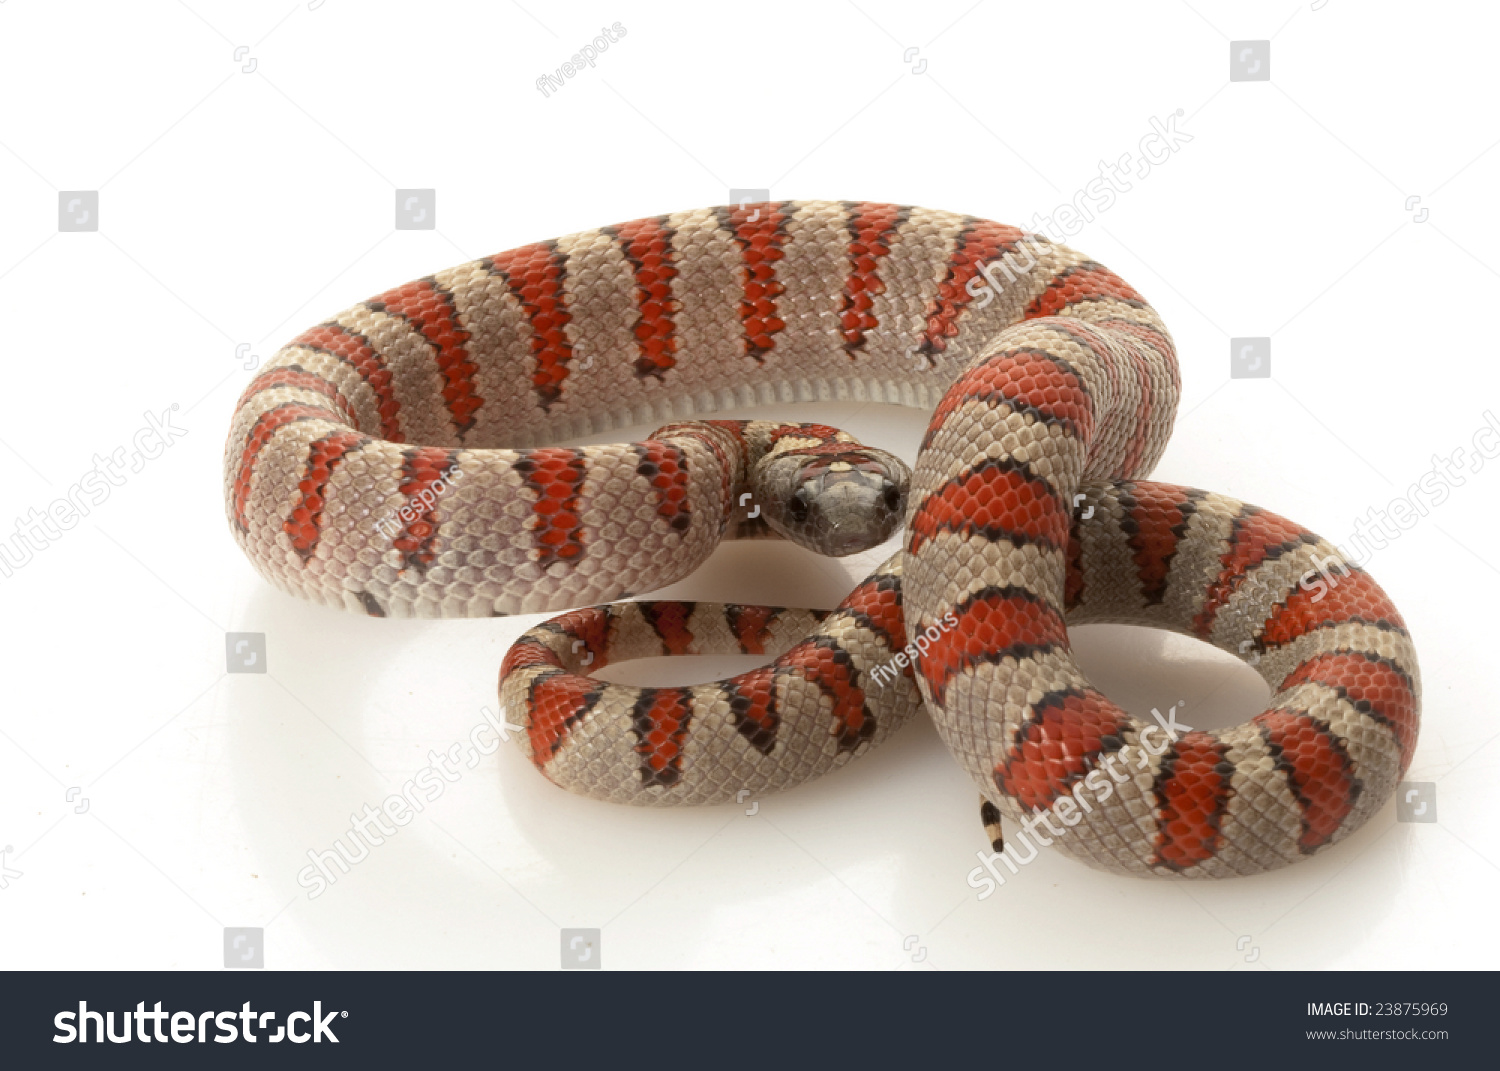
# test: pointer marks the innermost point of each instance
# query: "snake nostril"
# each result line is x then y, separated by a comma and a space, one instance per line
891, 498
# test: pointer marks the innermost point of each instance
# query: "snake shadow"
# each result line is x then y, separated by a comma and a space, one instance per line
485, 876
489, 872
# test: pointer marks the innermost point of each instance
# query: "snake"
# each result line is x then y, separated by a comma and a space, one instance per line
402, 459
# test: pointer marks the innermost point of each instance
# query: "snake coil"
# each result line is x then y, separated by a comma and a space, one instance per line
387, 461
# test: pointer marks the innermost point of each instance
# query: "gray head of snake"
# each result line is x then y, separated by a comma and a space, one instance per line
836, 499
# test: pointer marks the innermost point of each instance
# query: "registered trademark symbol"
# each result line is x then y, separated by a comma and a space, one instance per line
345, 1014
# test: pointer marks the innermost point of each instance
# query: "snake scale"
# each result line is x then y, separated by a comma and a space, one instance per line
393, 461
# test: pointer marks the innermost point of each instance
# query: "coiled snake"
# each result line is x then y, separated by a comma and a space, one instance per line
1053, 385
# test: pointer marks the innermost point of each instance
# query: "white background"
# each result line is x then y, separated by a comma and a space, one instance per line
244, 207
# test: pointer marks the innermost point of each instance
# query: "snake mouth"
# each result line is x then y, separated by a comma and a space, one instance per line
842, 547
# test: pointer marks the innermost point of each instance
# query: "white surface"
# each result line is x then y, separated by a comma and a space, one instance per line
245, 207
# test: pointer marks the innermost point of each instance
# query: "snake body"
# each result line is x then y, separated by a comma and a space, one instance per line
1052, 383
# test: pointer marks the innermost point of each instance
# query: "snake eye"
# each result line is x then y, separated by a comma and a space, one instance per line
892, 498
798, 507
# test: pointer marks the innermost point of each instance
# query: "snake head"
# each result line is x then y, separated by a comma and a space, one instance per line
835, 498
